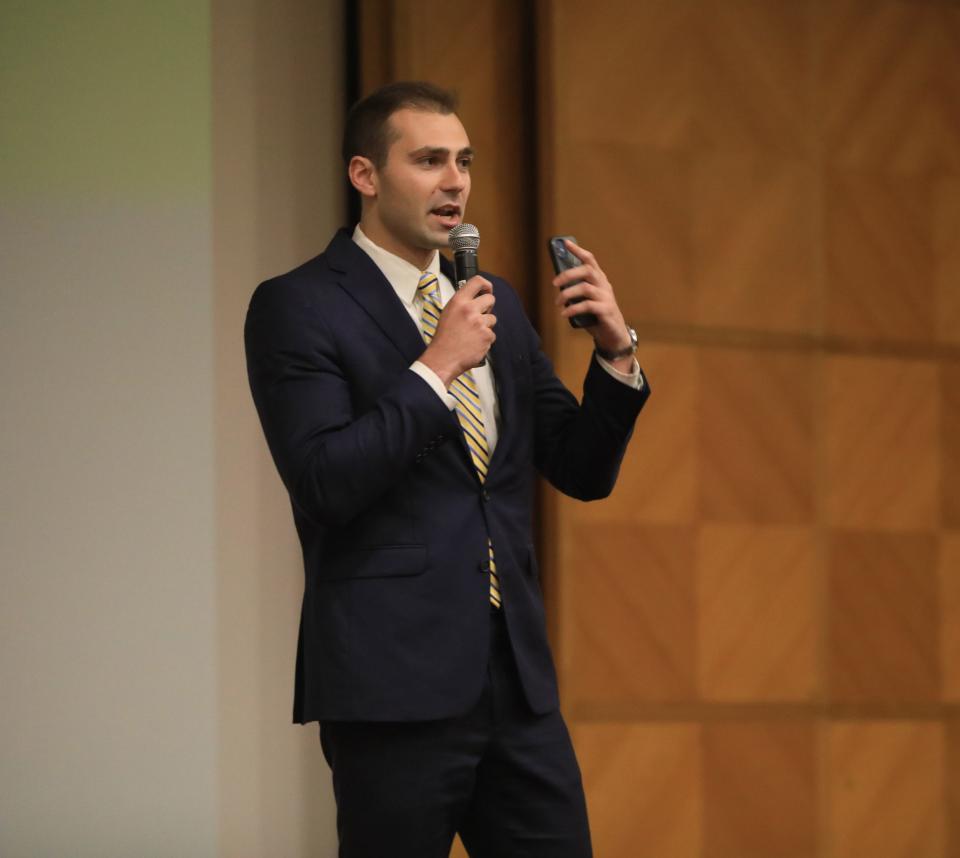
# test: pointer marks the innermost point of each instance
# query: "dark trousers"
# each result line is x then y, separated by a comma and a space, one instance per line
502, 777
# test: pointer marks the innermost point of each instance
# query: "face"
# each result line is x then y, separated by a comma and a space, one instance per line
421, 191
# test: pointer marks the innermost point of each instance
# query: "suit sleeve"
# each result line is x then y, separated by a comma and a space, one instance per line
578, 447
334, 463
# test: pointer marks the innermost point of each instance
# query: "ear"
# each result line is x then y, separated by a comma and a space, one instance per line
363, 175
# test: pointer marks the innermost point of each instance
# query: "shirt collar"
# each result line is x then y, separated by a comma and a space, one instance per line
401, 275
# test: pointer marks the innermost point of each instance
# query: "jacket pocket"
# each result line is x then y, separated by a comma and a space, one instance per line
386, 561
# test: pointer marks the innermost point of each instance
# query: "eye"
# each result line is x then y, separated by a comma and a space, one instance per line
465, 163
430, 161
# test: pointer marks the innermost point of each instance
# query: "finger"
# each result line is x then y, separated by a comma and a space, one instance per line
476, 285
595, 307
580, 252
583, 289
571, 275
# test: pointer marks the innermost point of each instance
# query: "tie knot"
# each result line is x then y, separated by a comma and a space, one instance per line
429, 287
427, 282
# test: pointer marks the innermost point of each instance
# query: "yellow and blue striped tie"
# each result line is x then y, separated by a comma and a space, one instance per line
464, 391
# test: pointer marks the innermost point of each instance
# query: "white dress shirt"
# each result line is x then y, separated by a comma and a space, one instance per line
404, 278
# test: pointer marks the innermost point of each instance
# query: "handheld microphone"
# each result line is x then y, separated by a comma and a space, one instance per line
464, 239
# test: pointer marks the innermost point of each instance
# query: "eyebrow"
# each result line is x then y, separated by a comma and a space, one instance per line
440, 151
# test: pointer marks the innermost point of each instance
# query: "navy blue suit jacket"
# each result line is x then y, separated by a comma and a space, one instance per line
391, 515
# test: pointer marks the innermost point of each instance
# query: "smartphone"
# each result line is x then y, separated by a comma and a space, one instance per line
563, 260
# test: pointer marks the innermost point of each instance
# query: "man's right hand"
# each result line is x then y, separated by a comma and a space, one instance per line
464, 333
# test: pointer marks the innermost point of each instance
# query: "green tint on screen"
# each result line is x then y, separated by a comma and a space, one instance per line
104, 98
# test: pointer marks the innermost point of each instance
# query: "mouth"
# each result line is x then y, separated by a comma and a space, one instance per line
448, 215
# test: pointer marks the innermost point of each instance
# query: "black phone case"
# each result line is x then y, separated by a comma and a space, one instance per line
563, 260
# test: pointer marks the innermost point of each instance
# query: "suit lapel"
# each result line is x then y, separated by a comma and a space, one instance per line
500, 358
365, 284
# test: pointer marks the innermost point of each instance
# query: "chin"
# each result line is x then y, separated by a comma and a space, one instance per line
436, 239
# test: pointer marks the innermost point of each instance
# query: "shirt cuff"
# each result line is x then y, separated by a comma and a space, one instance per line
431, 378
633, 378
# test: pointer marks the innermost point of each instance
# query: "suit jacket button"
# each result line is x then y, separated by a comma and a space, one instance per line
485, 494
485, 567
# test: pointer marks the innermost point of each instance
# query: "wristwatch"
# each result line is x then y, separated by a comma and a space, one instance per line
629, 350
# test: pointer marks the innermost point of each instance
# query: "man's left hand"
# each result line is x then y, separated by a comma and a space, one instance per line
610, 334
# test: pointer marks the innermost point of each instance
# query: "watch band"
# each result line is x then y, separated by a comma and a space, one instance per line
629, 350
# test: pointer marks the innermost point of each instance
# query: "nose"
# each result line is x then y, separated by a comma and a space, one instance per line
453, 178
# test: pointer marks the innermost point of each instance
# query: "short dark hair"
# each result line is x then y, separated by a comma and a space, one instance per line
367, 131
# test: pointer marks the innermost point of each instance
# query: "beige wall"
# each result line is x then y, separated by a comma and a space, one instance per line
277, 198
158, 159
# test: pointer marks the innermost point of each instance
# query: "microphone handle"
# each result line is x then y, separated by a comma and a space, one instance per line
465, 266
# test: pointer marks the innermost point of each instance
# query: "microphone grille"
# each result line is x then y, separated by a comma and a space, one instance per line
464, 236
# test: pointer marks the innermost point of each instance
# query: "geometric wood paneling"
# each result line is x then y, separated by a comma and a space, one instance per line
952, 777
774, 191
885, 783
884, 642
949, 573
757, 436
950, 442
758, 604
946, 238
880, 262
888, 85
882, 434
643, 788
624, 71
754, 77
760, 790
754, 242
634, 635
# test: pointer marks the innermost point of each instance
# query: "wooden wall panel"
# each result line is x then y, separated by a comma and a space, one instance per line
950, 442
882, 628
774, 191
887, 86
946, 251
881, 440
760, 789
634, 632
754, 241
644, 786
757, 436
880, 261
758, 601
952, 784
949, 619
885, 783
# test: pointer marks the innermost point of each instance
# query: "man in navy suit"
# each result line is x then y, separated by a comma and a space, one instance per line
422, 650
